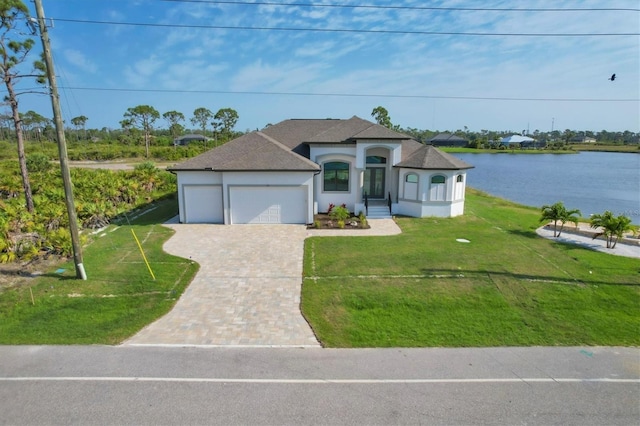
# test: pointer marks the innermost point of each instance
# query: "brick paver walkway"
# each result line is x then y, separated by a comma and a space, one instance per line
247, 291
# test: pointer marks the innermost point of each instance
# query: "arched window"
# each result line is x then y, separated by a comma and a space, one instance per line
411, 186
336, 176
438, 188
459, 178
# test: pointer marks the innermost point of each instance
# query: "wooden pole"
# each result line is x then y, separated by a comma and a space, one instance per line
62, 145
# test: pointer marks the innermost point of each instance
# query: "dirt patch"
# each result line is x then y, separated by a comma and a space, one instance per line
17, 274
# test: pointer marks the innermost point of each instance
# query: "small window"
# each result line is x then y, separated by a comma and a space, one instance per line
438, 188
411, 178
336, 176
459, 178
376, 159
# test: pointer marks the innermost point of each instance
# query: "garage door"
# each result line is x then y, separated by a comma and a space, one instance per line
203, 204
268, 204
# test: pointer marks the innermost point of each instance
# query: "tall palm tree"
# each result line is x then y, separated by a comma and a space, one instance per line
613, 228
558, 213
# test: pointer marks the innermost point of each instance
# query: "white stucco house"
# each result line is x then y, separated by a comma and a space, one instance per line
287, 172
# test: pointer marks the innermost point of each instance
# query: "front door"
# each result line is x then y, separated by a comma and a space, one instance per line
374, 182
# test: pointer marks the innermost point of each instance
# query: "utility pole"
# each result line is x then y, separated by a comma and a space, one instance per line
62, 144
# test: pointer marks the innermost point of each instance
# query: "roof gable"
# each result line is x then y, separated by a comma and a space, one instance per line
429, 157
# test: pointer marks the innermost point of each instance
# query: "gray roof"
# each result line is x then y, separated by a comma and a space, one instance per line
192, 136
428, 157
293, 133
285, 147
355, 128
446, 137
252, 151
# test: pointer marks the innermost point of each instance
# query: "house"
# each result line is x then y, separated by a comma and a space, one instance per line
447, 139
521, 141
289, 171
186, 139
583, 139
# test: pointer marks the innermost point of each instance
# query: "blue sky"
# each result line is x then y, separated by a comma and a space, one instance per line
425, 81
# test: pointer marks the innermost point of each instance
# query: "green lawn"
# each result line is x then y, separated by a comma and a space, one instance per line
118, 298
420, 288
506, 287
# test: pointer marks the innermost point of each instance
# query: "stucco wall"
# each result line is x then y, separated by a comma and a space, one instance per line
227, 179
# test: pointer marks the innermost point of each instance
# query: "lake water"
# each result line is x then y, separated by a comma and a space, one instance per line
589, 181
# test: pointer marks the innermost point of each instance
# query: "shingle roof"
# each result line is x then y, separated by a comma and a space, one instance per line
284, 147
355, 128
428, 157
252, 151
293, 132
446, 137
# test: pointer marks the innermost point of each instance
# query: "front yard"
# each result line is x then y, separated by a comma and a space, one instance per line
505, 287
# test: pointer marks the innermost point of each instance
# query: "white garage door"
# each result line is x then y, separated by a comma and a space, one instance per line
203, 204
268, 204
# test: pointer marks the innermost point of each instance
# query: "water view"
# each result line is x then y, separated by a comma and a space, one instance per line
590, 181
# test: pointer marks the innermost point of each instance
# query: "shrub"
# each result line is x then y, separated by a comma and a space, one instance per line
38, 162
340, 213
146, 166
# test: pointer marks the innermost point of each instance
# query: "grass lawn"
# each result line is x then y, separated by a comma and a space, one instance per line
506, 287
118, 298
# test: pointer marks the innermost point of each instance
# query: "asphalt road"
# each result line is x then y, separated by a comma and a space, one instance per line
174, 385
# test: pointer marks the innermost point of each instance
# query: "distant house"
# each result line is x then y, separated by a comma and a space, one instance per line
521, 141
583, 139
187, 139
447, 139
288, 171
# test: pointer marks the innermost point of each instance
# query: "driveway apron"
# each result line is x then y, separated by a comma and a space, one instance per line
246, 293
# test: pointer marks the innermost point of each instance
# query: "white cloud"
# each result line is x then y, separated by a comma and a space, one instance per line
79, 60
142, 73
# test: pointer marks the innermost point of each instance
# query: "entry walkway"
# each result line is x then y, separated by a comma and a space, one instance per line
247, 291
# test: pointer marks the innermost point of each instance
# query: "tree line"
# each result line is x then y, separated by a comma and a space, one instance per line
486, 137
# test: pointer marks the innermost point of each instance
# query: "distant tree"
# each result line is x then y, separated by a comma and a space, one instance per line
80, 122
558, 213
381, 116
611, 227
14, 49
226, 119
142, 117
201, 116
34, 122
173, 119
568, 135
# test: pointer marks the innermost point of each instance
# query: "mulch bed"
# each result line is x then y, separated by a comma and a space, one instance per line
323, 221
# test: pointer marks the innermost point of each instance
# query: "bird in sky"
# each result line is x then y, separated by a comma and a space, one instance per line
613, 77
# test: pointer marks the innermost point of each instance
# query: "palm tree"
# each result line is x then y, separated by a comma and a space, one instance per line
558, 213
613, 228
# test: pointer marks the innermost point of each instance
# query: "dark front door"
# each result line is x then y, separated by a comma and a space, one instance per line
374, 182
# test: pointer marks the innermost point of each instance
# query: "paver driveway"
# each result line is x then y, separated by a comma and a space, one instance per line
247, 292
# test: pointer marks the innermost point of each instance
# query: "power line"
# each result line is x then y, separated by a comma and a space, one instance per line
352, 95
390, 7
341, 30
